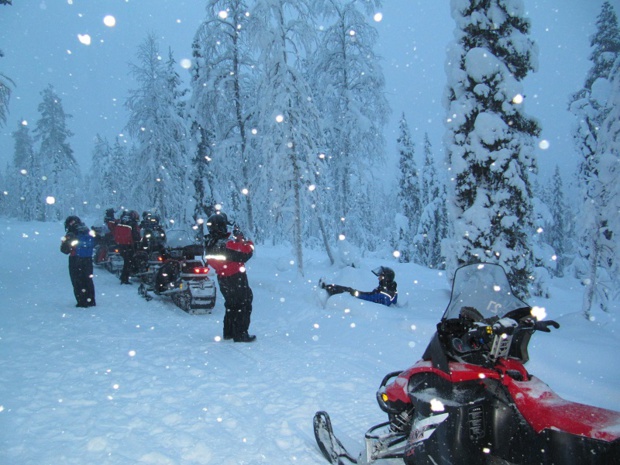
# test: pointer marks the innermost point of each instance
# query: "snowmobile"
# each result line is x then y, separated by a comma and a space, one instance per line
470, 400
181, 274
106, 252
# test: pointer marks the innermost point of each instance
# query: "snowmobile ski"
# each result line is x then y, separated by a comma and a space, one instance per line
331, 448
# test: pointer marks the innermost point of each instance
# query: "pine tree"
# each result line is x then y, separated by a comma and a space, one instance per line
156, 121
408, 193
489, 141
59, 168
433, 224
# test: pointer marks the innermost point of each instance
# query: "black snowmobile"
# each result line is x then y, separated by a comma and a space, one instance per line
181, 274
470, 400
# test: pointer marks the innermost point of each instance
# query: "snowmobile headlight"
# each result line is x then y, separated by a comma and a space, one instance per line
384, 397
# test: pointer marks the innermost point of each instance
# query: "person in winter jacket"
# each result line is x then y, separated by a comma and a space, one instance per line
385, 293
126, 232
78, 242
227, 254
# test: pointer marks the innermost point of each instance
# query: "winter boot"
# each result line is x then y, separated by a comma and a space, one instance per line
245, 337
228, 326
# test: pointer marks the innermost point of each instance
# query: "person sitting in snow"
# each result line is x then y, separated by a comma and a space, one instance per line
385, 293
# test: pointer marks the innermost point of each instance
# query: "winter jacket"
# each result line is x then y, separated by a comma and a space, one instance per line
385, 294
78, 242
124, 234
227, 256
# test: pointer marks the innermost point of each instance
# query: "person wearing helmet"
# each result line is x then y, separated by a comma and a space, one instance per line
79, 242
227, 254
385, 293
126, 232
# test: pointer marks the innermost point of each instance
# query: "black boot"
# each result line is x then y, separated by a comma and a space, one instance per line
245, 337
228, 326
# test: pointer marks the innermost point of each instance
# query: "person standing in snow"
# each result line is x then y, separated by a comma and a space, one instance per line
78, 242
385, 293
227, 254
126, 232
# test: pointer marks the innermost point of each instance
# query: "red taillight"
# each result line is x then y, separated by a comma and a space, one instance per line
201, 270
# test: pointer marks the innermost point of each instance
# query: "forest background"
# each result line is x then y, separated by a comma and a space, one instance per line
293, 126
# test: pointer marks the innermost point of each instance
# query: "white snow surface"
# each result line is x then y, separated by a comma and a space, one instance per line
136, 382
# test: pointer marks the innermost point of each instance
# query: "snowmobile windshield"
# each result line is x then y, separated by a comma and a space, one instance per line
179, 238
483, 290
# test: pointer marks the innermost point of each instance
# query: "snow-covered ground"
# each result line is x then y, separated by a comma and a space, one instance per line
131, 381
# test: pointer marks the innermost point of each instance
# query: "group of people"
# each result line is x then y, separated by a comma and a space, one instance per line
226, 252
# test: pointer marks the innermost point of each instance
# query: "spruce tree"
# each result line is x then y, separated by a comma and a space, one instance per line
595, 140
59, 169
602, 207
26, 176
433, 224
490, 140
586, 103
408, 193
558, 235
157, 123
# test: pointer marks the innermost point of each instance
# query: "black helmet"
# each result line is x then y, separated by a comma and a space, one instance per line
218, 223
72, 222
385, 274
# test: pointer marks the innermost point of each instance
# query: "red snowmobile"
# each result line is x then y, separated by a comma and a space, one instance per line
470, 400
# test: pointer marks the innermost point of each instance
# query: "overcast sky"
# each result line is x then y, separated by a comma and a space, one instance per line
41, 43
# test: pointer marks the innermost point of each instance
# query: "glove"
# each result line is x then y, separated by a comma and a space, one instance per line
544, 325
237, 234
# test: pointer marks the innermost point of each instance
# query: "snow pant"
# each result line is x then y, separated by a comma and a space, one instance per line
238, 303
81, 274
127, 252
333, 289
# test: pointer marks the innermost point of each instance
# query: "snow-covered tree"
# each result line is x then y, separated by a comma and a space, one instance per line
5, 95
58, 166
156, 122
26, 176
602, 207
595, 108
101, 178
408, 193
588, 104
288, 120
348, 85
224, 69
433, 224
558, 236
5, 86
489, 139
